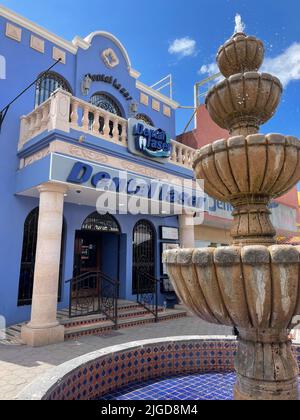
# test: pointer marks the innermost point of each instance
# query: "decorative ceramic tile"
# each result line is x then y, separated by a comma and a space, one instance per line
199, 387
205, 370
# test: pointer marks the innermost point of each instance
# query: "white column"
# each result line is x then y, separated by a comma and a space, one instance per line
187, 231
44, 329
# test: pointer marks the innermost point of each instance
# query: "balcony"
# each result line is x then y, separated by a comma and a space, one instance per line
64, 112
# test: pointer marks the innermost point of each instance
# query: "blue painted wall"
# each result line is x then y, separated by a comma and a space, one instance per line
23, 65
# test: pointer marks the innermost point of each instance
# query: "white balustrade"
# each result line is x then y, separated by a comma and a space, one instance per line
64, 112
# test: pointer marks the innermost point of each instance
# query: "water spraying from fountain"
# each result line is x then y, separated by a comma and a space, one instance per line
239, 25
253, 285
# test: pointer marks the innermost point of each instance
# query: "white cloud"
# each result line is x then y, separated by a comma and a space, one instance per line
210, 70
184, 47
285, 66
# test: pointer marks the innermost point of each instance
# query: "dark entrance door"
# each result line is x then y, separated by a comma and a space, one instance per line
95, 286
87, 253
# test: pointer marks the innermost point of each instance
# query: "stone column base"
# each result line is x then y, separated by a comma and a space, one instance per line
39, 337
251, 390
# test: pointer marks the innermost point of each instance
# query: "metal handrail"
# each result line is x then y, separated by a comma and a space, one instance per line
143, 296
88, 296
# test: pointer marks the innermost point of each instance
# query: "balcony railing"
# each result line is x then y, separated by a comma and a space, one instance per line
64, 112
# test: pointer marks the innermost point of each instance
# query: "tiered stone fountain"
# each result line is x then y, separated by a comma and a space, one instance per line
254, 284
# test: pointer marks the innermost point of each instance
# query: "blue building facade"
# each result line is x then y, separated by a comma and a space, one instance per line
77, 114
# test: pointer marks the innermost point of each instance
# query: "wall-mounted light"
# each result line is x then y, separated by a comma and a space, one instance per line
133, 108
86, 85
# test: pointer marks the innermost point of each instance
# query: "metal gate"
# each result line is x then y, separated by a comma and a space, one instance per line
143, 257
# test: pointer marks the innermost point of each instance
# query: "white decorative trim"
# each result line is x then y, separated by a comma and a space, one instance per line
110, 58
144, 99
115, 40
134, 73
155, 105
44, 33
13, 32
37, 44
167, 111
157, 95
79, 42
59, 54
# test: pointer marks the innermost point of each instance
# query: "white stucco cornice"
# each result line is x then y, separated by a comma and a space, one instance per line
85, 43
33, 27
157, 95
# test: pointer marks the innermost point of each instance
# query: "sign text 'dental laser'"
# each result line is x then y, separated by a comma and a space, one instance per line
148, 141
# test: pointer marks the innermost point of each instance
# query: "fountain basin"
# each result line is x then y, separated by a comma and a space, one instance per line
264, 165
103, 372
244, 101
247, 172
256, 289
240, 54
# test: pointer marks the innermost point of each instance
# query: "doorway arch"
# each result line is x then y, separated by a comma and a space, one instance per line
97, 246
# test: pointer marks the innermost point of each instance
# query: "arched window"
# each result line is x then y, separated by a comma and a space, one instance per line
143, 255
28, 259
145, 119
106, 102
48, 84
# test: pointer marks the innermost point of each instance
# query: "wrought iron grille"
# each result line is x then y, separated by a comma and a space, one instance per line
28, 259
145, 118
148, 297
143, 256
49, 84
94, 293
103, 101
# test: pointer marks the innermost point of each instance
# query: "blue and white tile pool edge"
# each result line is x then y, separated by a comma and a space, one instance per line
105, 371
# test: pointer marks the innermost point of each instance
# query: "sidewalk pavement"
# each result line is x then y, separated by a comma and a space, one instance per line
21, 365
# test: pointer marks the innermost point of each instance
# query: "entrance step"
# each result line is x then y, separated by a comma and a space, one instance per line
11, 336
105, 327
123, 313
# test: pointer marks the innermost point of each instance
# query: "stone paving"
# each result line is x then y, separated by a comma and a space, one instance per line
21, 365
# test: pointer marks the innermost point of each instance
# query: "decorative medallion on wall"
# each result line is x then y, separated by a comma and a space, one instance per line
110, 58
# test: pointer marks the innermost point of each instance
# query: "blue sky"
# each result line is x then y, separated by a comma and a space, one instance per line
182, 37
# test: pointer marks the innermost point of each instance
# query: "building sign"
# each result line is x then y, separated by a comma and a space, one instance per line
105, 179
283, 217
110, 80
144, 140
169, 233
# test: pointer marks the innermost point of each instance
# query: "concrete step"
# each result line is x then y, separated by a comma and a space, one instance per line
134, 312
104, 327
